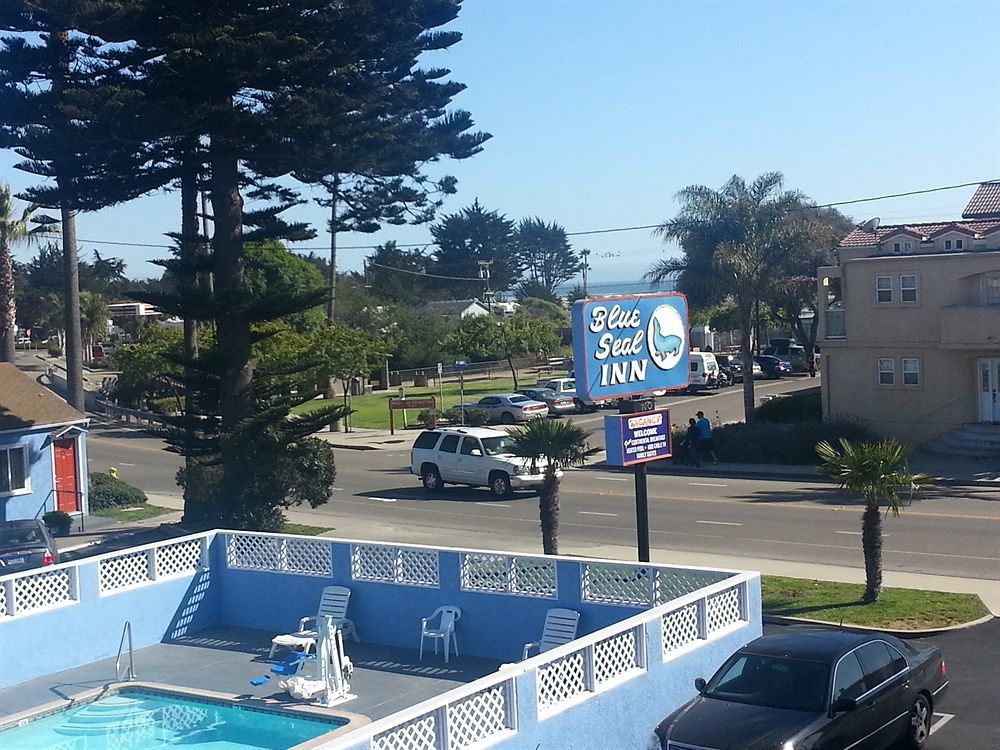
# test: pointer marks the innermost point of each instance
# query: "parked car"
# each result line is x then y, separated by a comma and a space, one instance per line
793, 354
731, 365
704, 371
567, 387
509, 408
476, 456
26, 544
773, 367
813, 689
558, 405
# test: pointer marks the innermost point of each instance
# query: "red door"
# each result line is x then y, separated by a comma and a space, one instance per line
67, 495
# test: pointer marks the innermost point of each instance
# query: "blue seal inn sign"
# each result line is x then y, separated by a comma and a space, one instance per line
630, 346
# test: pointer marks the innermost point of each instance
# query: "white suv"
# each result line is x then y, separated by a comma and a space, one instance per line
476, 456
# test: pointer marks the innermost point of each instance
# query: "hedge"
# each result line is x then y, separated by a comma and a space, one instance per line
806, 407
107, 491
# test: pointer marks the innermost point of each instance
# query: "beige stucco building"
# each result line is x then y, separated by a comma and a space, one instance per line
910, 324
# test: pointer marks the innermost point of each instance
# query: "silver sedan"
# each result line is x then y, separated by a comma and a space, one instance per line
509, 408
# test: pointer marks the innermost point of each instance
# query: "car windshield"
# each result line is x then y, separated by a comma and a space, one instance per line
496, 446
771, 681
519, 399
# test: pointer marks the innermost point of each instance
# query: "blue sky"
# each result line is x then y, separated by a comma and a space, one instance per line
601, 111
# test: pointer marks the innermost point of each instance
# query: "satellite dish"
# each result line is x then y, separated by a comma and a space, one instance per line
871, 225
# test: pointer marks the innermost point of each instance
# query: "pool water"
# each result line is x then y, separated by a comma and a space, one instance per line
136, 720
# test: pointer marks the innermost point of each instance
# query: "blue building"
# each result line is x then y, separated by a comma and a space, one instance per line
43, 450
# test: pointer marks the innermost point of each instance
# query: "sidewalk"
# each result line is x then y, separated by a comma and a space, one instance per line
948, 471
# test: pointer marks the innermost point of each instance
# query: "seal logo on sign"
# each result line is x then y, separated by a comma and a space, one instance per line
665, 337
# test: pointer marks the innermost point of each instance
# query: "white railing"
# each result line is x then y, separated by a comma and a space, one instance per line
509, 574
299, 555
484, 711
121, 571
382, 563
636, 585
37, 590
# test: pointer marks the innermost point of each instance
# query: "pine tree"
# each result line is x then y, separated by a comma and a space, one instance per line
470, 237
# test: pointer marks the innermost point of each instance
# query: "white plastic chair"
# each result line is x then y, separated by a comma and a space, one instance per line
333, 603
560, 628
445, 630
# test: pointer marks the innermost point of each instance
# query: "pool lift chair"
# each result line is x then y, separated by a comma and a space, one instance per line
330, 684
333, 603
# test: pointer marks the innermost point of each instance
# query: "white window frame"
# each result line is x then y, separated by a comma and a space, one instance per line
947, 244
878, 290
916, 371
987, 277
959, 244
26, 488
904, 289
897, 247
880, 371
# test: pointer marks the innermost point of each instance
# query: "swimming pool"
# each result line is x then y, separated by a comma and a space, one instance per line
146, 719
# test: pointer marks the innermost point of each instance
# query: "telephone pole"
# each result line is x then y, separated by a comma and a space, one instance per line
484, 274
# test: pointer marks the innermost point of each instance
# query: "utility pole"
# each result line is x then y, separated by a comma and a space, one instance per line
484, 274
584, 268
331, 302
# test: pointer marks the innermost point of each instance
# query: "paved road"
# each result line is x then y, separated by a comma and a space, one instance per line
967, 715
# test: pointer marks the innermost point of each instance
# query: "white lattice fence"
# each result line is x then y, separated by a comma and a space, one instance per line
680, 628
561, 680
387, 564
123, 571
178, 559
618, 656
723, 609
44, 590
480, 716
509, 574
674, 583
611, 583
3, 600
418, 734
312, 557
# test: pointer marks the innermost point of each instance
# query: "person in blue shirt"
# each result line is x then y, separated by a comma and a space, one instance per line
705, 445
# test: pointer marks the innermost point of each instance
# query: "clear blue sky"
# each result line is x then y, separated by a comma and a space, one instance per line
601, 111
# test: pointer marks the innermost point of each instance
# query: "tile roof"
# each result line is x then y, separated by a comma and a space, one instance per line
858, 237
985, 202
24, 402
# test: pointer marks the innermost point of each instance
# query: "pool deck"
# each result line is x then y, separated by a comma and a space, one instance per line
224, 660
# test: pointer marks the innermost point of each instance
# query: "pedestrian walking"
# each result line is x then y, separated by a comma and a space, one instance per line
692, 451
706, 447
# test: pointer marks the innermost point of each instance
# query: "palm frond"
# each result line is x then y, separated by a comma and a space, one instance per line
559, 443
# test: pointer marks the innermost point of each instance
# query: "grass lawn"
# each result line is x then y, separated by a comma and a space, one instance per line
373, 411
302, 529
138, 513
838, 603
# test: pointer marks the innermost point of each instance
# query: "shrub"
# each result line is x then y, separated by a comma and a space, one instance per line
107, 491
806, 407
476, 417
55, 350
775, 443
166, 405
58, 521
428, 418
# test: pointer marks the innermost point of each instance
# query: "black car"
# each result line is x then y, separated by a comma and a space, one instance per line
813, 690
26, 544
732, 366
772, 366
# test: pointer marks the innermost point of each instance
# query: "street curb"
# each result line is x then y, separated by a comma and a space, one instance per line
717, 473
779, 620
355, 447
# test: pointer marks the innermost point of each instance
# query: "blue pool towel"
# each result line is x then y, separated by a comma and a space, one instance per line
260, 680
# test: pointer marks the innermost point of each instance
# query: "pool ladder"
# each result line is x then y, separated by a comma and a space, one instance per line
126, 633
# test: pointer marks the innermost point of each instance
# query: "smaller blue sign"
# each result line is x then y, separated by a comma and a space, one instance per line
637, 438
461, 364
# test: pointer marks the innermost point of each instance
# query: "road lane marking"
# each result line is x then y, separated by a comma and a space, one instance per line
944, 719
858, 533
384, 499
720, 523
596, 513
613, 479
706, 484
337, 489
495, 505
123, 463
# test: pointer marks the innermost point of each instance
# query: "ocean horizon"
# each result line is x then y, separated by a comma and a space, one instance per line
612, 288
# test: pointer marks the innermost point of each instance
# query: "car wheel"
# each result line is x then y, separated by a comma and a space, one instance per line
920, 723
500, 484
431, 478
580, 406
507, 418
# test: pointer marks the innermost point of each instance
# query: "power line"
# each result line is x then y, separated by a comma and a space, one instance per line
611, 230
425, 275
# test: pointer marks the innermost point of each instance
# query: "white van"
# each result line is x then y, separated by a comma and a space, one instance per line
704, 371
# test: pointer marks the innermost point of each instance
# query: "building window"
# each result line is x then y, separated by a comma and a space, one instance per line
13, 477
911, 371
908, 288
947, 244
886, 371
883, 288
959, 244
991, 289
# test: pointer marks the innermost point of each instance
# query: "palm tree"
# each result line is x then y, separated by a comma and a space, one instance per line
556, 445
733, 240
876, 471
12, 231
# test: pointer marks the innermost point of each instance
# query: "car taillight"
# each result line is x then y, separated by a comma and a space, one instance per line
48, 558
944, 668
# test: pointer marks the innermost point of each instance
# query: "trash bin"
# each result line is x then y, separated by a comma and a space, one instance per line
420, 380
395, 379
357, 387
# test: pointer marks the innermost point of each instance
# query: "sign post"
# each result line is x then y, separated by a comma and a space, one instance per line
402, 404
626, 348
461, 365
